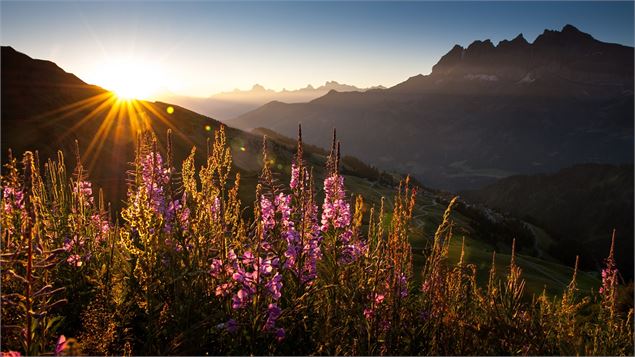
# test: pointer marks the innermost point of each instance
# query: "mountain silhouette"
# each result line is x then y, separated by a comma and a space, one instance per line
484, 112
24, 78
228, 105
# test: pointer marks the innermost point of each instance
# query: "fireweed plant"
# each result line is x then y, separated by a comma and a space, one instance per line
182, 269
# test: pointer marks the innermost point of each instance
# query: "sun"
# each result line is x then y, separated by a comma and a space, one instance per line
129, 78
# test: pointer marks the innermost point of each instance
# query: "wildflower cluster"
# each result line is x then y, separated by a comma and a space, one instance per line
184, 269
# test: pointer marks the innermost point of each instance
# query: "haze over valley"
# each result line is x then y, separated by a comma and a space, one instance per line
228, 105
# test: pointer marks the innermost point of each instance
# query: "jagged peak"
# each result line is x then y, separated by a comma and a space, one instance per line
568, 39
520, 39
455, 55
518, 42
457, 48
487, 44
567, 34
568, 28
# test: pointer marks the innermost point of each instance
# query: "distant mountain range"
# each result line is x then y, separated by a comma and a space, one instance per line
579, 207
228, 105
485, 112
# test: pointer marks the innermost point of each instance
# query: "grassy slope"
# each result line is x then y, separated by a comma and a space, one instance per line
538, 273
577, 206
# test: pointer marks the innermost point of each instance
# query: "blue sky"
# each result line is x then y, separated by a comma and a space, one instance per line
199, 48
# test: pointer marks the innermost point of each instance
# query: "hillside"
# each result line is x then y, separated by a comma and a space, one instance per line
579, 206
46, 109
485, 112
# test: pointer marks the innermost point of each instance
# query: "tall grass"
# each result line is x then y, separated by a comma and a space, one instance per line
183, 269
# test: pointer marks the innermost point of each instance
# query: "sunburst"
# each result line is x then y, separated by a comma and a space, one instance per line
129, 78
117, 120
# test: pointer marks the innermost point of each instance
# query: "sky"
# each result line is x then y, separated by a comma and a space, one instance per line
201, 48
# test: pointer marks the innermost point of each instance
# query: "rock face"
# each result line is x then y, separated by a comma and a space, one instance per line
485, 112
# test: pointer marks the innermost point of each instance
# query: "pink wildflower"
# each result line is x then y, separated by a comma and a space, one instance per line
295, 176
240, 299
369, 313
223, 289
74, 260
267, 213
215, 209
61, 345
274, 286
84, 189
13, 199
336, 211
10, 354
273, 312
216, 267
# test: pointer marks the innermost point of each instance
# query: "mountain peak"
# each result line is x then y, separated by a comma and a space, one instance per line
569, 35
568, 28
9, 49
258, 88
518, 43
520, 39
511, 59
479, 49
450, 59
457, 48
487, 44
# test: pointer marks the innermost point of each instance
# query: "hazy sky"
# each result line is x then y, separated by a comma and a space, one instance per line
199, 48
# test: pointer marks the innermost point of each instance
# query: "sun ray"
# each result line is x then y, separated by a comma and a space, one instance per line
159, 115
97, 143
142, 123
72, 108
101, 131
92, 114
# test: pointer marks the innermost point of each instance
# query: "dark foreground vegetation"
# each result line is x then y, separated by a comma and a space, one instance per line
184, 269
